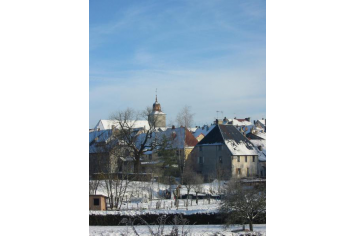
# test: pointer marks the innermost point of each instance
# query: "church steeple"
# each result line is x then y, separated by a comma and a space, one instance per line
156, 105
157, 116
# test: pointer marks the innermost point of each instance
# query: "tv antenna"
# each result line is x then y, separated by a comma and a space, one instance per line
217, 114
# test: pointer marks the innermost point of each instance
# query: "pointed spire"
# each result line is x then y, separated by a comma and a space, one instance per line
156, 105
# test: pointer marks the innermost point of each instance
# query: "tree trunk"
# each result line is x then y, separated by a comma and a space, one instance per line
137, 165
251, 225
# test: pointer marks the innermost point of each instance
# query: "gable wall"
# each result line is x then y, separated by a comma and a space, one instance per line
211, 166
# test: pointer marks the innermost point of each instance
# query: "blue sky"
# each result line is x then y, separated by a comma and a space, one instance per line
209, 55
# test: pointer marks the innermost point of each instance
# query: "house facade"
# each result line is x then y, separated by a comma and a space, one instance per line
225, 153
258, 139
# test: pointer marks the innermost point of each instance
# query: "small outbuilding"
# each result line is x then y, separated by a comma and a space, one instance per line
97, 202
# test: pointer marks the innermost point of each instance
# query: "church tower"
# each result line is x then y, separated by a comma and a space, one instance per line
157, 115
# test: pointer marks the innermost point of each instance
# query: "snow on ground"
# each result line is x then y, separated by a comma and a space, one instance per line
141, 190
193, 230
138, 194
166, 207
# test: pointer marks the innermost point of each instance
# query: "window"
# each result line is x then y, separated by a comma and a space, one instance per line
253, 158
248, 172
238, 171
245, 158
201, 160
177, 153
150, 157
201, 148
220, 160
238, 159
96, 201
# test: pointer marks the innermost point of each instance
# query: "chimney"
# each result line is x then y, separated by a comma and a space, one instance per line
218, 122
248, 119
173, 127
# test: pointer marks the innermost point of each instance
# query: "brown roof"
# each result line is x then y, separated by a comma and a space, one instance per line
190, 140
99, 195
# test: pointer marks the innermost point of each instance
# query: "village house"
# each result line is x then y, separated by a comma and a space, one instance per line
224, 153
258, 139
261, 124
181, 140
200, 132
107, 154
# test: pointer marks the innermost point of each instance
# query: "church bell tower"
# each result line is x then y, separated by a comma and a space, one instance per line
157, 115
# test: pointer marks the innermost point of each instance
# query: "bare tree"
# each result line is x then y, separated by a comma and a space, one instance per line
112, 169
243, 203
189, 179
133, 138
185, 117
197, 185
93, 186
116, 184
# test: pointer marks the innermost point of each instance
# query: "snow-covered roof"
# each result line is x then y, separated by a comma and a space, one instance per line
108, 124
240, 122
203, 130
240, 148
181, 137
262, 121
192, 129
99, 137
261, 134
158, 112
260, 143
237, 143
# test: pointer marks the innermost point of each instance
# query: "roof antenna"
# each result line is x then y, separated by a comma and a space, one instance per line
156, 94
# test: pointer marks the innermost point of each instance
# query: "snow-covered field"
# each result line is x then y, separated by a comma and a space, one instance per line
143, 189
193, 230
166, 207
137, 203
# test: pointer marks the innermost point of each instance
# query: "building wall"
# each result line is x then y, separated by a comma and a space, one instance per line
262, 169
212, 168
98, 162
200, 137
187, 151
243, 165
160, 120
